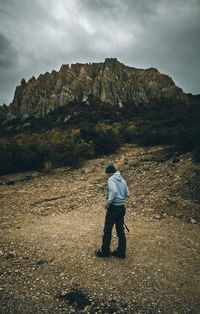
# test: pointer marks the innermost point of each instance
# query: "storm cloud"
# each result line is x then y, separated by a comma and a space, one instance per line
41, 35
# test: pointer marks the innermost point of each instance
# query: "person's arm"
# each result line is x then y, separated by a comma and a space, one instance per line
112, 192
126, 191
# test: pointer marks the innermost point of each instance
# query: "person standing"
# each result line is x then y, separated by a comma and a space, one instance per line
117, 193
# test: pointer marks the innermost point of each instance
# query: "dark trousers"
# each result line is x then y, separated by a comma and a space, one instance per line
114, 215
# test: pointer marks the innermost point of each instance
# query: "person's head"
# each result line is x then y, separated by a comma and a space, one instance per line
110, 170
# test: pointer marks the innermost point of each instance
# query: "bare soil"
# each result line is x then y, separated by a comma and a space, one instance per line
52, 223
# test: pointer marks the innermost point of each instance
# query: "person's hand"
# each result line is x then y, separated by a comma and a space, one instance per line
107, 205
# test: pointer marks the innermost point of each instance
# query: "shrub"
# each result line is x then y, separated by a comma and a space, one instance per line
52, 148
188, 139
106, 139
47, 166
196, 152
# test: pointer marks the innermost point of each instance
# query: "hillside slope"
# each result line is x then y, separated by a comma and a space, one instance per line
52, 223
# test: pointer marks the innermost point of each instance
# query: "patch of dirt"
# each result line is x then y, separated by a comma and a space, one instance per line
52, 224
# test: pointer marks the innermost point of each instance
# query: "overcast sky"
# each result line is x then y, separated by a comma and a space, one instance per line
37, 36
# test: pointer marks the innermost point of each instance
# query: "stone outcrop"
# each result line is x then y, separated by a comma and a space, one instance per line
109, 81
3, 112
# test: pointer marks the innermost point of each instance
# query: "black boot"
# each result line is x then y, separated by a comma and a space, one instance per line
118, 254
100, 253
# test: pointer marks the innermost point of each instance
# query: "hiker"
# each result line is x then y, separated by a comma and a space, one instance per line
117, 193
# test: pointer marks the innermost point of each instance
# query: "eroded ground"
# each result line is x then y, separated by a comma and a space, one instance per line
52, 223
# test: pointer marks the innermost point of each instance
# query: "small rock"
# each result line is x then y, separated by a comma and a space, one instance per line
193, 221
63, 293
40, 262
9, 255
11, 182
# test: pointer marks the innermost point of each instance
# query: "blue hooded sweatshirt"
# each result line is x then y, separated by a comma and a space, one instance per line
118, 190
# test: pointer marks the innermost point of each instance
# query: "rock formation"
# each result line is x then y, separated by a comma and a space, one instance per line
109, 81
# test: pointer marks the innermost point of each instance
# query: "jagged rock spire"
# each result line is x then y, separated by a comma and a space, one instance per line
110, 81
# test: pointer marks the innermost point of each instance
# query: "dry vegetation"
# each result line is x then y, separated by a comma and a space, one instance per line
53, 222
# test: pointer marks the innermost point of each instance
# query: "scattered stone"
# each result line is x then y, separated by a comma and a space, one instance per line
11, 182
158, 217
63, 293
9, 255
193, 221
62, 274
40, 262
150, 209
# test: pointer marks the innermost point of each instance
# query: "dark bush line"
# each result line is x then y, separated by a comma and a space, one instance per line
99, 130
60, 148
70, 147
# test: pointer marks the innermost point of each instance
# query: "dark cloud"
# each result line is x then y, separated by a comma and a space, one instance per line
38, 36
8, 54
8, 68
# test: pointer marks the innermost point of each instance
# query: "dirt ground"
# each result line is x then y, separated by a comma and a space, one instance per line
52, 223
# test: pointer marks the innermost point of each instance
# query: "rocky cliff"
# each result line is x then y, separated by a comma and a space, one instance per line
109, 81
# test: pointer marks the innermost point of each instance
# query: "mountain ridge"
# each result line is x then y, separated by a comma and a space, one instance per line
110, 81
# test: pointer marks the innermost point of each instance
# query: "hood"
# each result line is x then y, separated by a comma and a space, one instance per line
117, 176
